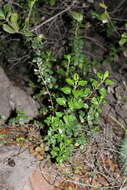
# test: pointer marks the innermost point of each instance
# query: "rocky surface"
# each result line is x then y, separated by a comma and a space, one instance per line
14, 98
16, 165
19, 170
116, 109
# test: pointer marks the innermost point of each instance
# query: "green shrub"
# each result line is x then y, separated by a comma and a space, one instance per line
73, 99
76, 113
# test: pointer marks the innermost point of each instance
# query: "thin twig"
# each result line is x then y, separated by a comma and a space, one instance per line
50, 19
88, 185
122, 186
116, 121
96, 42
118, 7
119, 19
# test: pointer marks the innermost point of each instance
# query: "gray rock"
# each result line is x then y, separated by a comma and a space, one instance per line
14, 177
20, 100
14, 98
90, 1
5, 107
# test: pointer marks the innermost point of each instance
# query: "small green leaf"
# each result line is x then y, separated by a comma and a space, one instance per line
8, 29
7, 9
76, 104
122, 42
87, 92
106, 75
94, 83
95, 15
66, 90
68, 57
54, 153
77, 16
78, 93
123, 39
82, 83
14, 19
99, 75
2, 16
94, 101
86, 106
61, 101
70, 81
104, 17
59, 114
31, 3
103, 92
76, 77
19, 139
109, 82
69, 119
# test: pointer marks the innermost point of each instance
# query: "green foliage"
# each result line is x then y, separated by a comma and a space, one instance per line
79, 104
77, 60
105, 18
12, 22
123, 39
77, 16
75, 103
44, 61
10, 19
73, 99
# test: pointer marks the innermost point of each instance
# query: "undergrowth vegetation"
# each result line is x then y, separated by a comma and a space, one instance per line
71, 97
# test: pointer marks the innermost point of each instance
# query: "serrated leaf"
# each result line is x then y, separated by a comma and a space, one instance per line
8, 29
66, 90
77, 16
61, 101
14, 19
2, 16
